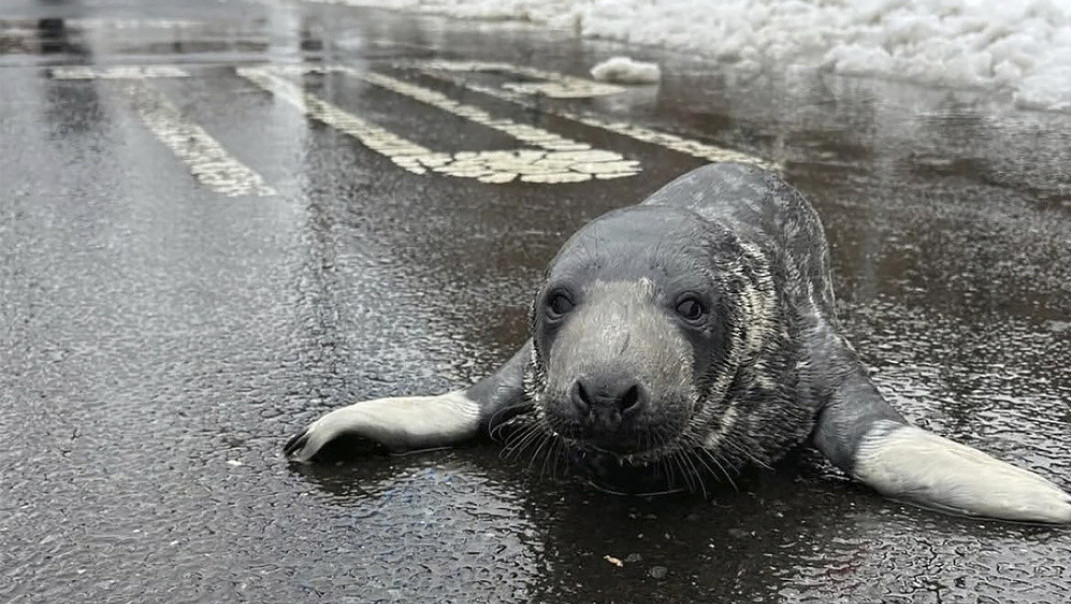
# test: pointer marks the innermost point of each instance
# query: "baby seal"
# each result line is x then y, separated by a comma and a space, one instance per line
697, 331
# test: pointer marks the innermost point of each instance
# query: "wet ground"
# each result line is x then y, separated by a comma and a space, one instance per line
202, 249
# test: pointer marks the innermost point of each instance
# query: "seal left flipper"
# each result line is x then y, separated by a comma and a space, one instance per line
419, 422
863, 435
398, 423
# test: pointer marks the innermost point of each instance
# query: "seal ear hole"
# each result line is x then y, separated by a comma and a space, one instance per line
690, 308
558, 305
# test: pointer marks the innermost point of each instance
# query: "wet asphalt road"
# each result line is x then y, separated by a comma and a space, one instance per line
192, 268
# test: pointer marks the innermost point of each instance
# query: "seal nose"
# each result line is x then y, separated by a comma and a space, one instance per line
607, 394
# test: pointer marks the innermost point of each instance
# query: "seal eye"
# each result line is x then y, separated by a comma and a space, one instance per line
690, 308
559, 304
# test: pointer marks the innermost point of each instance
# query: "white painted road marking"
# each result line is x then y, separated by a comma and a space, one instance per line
207, 160
132, 23
378, 139
118, 72
518, 93
544, 157
556, 160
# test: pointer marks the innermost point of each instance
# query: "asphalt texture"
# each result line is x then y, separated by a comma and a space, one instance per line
194, 267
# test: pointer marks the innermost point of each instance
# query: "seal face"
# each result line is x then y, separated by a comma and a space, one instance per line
601, 390
651, 339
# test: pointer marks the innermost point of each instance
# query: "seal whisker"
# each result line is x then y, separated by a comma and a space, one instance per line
541, 452
658, 439
517, 451
494, 427
675, 456
538, 441
560, 459
712, 455
549, 456
747, 455
686, 455
522, 440
693, 472
667, 469
697, 455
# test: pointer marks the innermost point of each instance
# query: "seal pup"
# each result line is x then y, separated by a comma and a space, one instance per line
697, 330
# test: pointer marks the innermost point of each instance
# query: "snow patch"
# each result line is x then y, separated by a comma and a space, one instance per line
1022, 47
623, 70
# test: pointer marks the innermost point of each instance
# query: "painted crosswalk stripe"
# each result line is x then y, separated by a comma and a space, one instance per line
521, 95
554, 158
374, 137
117, 72
206, 159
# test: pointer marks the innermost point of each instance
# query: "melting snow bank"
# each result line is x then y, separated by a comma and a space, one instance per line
1024, 47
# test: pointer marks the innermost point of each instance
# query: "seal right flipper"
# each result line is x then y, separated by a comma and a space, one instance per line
419, 422
862, 434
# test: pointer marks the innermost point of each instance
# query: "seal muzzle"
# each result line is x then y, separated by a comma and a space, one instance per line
619, 373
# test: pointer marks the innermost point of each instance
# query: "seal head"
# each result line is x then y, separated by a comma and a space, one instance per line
640, 331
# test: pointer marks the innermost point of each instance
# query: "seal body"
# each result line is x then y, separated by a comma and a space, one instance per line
684, 338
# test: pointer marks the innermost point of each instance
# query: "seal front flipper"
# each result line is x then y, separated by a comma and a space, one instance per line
419, 422
863, 435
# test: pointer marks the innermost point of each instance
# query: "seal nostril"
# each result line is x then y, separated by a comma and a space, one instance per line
629, 399
581, 398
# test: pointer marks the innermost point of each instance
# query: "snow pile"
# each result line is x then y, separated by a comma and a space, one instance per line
623, 70
1023, 46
